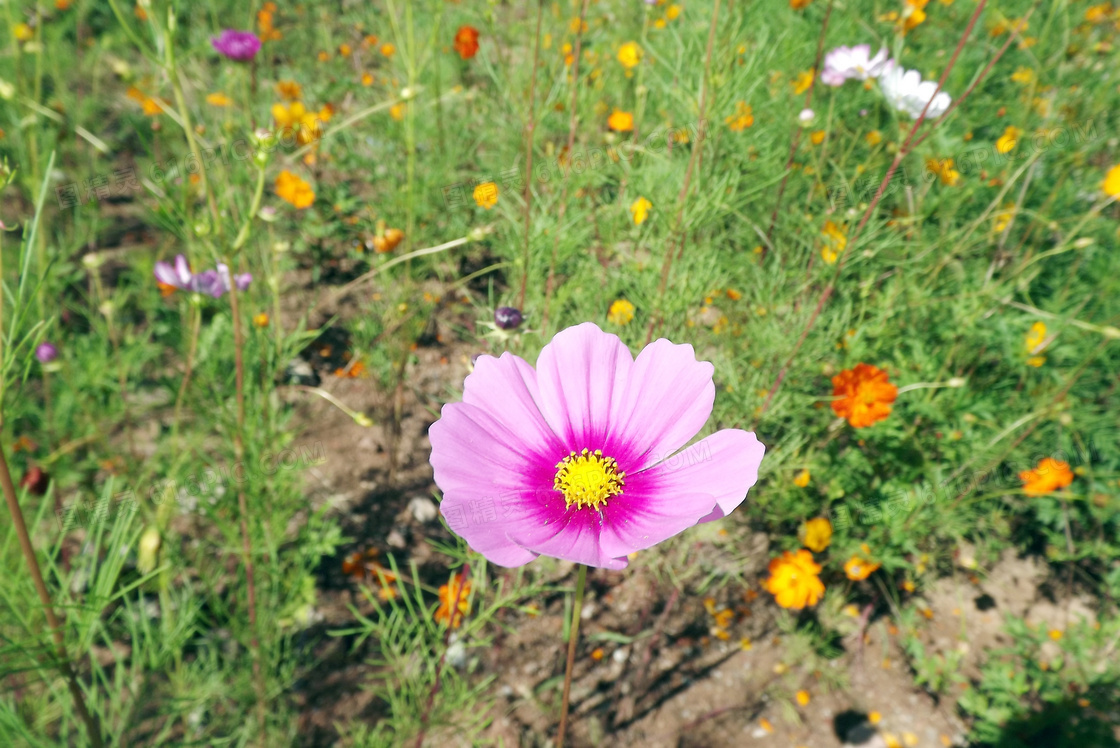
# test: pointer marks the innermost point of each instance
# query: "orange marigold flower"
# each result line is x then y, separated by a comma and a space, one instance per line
794, 580
294, 190
289, 90
1047, 477
621, 121
741, 119
466, 42
486, 195
387, 241
864, 395
858, 568
448, 612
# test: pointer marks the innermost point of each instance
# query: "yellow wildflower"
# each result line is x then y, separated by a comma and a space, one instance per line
818, 534
639, 209
1009, 139
1111, 183
486, 195
629, 54
621, 312
802, 82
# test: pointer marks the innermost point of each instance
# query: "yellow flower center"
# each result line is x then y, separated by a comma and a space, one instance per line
588, 479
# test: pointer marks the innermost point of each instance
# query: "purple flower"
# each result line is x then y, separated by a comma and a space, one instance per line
507, 318
580, 458
212, 282
46, 352
240, 46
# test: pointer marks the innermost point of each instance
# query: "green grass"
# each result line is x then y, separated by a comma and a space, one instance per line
941, 289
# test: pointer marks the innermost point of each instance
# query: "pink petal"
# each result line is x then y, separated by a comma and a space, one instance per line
720, 468
491, 483
508, 386
582, 375
574, 537
668, 401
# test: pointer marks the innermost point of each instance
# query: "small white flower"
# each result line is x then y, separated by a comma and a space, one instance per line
844, 63
907, 92
806, 116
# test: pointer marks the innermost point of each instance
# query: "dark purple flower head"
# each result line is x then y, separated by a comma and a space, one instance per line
46, 352
507, 318
240, 46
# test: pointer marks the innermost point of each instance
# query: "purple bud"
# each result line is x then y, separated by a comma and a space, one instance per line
507, 318
863, 112
46, 352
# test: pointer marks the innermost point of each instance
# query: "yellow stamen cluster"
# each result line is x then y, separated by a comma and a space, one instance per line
588, 479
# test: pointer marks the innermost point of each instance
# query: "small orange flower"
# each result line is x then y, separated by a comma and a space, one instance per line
621, 121
448, 612
294, 190
486, 195
260, 320
466, 42
858, 569
794, 580
741, 119
289, 90
387, 241
864, 395
1047, 477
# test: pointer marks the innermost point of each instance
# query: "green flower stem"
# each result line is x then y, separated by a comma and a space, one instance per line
573, 639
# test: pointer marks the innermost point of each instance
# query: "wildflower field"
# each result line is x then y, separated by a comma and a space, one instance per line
585, 372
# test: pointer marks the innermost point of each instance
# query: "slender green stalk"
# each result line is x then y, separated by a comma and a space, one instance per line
682, 199
573, 638
530, 125
573, 120
243, 510
93, 727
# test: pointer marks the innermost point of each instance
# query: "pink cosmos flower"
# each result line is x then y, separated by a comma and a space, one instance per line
212, 282
580, 458
240, 46
844, 63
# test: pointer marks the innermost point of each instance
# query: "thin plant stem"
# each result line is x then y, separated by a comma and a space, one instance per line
573, 120
243, 510
196, 325
530, 126
795, 140
443, 656
903, 151
93, 728
573, 639
682, 198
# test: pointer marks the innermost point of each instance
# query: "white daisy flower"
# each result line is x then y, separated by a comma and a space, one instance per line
844, 63
907, 92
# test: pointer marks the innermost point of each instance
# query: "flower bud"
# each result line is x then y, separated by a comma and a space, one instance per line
507, 318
